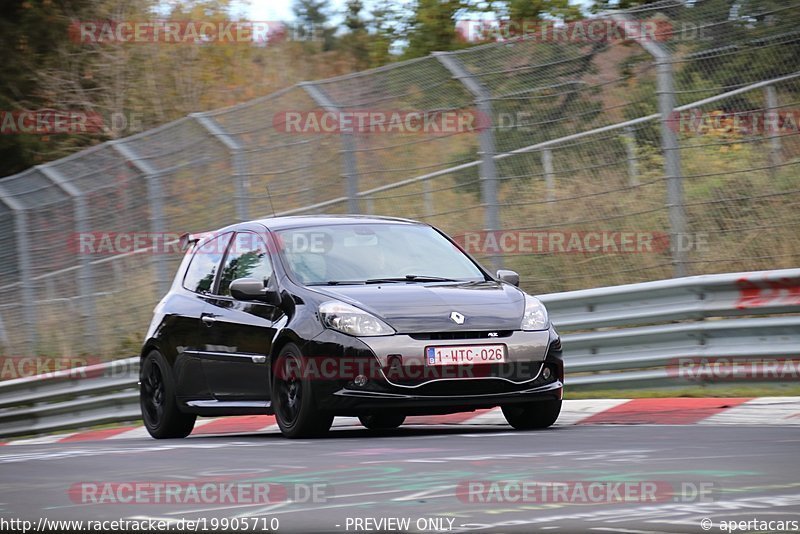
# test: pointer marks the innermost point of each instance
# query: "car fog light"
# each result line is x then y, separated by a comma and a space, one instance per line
546, 373
360, 380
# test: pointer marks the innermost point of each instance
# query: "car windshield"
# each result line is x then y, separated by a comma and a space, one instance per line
373, 253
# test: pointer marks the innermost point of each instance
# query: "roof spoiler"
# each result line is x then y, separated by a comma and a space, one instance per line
189, 240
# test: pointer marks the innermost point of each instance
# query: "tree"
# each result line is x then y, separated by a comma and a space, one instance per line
353, 19
152, 83
432, 27
537, 9
312, 21
759, 41
312, 11
384, 27
356, 40
27, 33
604, 5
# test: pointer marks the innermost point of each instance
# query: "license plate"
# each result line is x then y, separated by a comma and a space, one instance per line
465, 355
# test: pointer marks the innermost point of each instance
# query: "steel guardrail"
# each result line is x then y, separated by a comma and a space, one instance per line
620, 337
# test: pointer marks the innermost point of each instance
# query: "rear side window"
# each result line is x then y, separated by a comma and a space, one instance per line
205, 264
248, 258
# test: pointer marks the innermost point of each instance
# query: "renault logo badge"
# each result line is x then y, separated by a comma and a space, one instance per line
457, 317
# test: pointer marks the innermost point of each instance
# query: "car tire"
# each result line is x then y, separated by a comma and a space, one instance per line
162, 417
382, 421
534, 415
293, 398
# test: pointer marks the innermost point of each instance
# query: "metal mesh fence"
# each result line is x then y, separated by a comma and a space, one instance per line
386, 158
668, 149
275, 166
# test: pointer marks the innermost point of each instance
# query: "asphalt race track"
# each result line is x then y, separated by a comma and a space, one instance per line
419, 474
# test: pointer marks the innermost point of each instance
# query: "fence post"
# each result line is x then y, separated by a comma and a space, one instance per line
237, 161
483, 101
549, 174
427, 198
669, 142
629, 138
85, 278
348, 146
672, 166
28, 305
771, 99
155, 201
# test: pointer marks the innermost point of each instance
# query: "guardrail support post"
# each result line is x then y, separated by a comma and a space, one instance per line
85, 278
348, 146
669, 142
488, 167
237, 161
155, 201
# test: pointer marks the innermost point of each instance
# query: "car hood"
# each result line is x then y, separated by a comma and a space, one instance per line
426, 307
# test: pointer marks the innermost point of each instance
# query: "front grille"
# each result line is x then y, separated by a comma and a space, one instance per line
468, 377
472, 387
444, 336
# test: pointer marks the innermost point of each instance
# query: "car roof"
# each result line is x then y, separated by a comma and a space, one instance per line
300, 221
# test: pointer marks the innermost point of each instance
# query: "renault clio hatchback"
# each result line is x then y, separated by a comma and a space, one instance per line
312, 317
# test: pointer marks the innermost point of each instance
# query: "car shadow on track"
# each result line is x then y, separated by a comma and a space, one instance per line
402, 432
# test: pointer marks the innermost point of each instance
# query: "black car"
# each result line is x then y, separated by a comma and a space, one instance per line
312, 317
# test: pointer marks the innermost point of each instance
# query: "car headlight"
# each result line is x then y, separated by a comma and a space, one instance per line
351, 320
535, 317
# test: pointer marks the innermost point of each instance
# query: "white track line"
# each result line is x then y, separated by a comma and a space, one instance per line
41, 440
761, 411
346, 421
572, 412
575, 411
492, 417
141, 432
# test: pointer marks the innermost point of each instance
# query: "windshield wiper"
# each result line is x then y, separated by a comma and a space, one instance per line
409, 278
406, 278
338, 283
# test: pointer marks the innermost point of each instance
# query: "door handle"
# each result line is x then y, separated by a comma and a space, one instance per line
208, 319
259, 359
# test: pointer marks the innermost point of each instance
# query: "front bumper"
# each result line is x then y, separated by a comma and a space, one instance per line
398, 380
359, 401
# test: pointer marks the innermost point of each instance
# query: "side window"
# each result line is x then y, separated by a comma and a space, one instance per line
248, 258
205, 262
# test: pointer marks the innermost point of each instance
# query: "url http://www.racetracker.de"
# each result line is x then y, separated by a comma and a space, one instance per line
212, 524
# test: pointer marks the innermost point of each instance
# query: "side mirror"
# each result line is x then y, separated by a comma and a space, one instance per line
249, 289
508, 276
